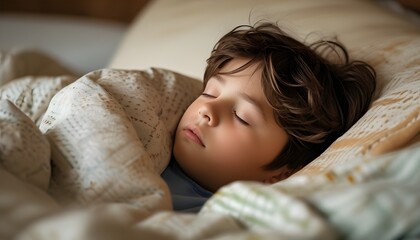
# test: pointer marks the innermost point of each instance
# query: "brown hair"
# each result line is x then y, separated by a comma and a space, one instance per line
314, 99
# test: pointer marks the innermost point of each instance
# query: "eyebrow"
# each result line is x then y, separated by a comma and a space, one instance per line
245, 96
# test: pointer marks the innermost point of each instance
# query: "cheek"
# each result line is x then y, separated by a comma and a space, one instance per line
250, 150
189, 112
236, 147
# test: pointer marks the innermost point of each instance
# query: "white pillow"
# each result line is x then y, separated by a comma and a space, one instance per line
179, 35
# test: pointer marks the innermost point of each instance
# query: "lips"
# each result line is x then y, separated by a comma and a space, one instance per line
194, 135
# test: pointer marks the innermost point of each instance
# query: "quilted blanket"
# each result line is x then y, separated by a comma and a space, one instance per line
81, 158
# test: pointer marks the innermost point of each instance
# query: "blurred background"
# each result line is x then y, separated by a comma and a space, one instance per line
84, 34
121, 11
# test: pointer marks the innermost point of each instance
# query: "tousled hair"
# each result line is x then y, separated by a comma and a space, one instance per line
314, 99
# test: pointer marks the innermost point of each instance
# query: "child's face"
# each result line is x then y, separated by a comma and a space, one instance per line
229, 133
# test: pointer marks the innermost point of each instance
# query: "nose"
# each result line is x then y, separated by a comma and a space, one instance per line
208, 114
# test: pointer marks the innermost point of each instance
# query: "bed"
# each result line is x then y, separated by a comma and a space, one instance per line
81, 154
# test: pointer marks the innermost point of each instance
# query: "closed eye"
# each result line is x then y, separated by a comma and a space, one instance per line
208, 95
240, 119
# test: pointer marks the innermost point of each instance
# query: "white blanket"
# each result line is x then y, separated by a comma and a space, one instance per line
81, 159
111, 136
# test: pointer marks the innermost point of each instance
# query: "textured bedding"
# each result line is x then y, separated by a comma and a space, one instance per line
111, 136
81, 158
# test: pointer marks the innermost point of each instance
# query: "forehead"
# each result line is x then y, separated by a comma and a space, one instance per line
247, 79
237, 63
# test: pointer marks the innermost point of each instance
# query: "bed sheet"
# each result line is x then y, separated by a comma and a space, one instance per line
109, 134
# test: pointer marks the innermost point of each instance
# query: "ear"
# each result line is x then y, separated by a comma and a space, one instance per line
278, 175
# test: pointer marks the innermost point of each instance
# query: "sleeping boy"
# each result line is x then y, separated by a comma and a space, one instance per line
270, 105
